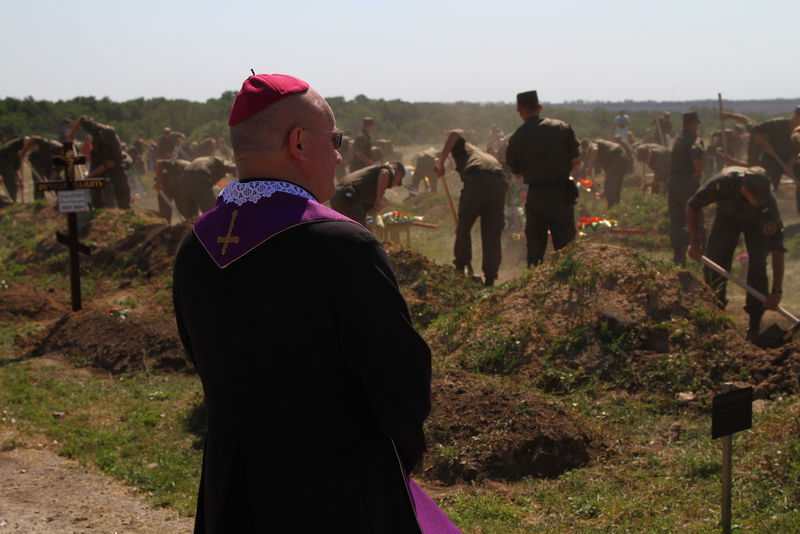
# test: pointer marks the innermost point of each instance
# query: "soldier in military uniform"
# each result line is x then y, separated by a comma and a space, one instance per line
143, 146
40, 152
167, 143
423, 168
197, 182
613, 159
685, 172
10, 163
745, 206
543, 152
656, 157
361, 192
362, 146
770, 145
108, 160
730, 139
483, 195
169, 187
206, 147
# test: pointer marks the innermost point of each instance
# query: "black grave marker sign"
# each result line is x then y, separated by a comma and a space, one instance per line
732, 412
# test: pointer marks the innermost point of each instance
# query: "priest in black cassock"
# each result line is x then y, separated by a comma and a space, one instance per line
317, 386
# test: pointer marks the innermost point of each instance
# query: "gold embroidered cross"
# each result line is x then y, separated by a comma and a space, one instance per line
228, 239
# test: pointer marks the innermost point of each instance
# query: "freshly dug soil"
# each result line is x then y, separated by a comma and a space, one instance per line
99, 339
24, 301
484, 427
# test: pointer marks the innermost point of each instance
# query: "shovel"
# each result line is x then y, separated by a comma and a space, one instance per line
773, 336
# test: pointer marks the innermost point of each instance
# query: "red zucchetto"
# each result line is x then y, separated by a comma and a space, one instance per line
260, 91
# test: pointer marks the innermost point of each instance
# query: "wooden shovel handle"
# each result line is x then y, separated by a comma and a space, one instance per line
756, 293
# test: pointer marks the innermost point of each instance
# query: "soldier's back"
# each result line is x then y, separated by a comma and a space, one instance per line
541, 149
687, 146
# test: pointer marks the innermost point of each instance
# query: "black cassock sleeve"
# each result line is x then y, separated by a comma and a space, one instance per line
382, 349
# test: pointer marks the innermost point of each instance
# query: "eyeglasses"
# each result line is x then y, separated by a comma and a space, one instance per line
337, 136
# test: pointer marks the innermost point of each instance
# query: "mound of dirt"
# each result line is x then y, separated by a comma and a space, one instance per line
109, 226
601, 312
146, 251
99, 339
24, 301
429, 289
485, 427
119, 238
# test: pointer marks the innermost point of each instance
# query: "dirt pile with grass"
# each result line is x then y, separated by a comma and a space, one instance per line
606, 314
429, 289
486, 427
148, 250
113, 340
18, 301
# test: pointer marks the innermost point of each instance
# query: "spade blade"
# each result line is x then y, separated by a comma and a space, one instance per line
771, 337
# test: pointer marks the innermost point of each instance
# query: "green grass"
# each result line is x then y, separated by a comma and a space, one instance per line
496, 352
650, 485
138, 428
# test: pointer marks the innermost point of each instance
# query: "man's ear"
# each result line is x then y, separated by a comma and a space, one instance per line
295, 143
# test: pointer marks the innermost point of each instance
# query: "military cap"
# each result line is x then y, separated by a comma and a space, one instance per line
528, 98
367, 120
797, 111
690, 117
167, 129
260, 91
758, 183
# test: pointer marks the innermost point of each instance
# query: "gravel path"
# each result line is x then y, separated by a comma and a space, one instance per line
43, 493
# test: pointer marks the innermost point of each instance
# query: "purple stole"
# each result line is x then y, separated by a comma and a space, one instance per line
249, 213
430, 518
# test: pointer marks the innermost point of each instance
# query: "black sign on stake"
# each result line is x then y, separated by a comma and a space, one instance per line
730, 412
68, 161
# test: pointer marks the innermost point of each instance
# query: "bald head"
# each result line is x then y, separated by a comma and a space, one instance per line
266, 131
293, 140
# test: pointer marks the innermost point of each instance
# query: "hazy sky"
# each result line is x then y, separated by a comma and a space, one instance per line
413, 50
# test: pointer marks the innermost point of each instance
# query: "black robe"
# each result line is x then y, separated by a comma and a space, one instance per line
310, 365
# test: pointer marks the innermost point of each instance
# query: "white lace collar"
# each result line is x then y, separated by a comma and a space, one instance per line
240, 192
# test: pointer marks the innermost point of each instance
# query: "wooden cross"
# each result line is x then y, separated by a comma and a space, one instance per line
228, 239
68, 161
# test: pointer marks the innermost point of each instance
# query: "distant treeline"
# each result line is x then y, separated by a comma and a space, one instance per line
402, 122
774, 107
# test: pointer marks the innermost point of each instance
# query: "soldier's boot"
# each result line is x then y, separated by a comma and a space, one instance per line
459, 269
489, 281
754, 327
